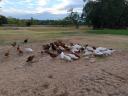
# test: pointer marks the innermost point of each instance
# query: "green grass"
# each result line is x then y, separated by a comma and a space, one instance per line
8, 35
109, 31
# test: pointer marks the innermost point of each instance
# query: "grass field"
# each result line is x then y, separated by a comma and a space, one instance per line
8, 35
42, 34
108, 31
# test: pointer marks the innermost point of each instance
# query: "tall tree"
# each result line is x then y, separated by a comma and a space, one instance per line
106, 13
74, 17
3, 20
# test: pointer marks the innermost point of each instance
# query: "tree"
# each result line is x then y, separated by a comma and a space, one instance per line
74, 17
106, 13
3, 20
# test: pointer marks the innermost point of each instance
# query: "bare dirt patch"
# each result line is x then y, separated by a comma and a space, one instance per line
53, 77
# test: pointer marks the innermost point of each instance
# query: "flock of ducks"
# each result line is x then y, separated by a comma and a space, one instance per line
71, 52
66, 52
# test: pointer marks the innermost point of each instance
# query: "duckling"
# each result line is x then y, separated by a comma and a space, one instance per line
30, 58
65, 57
18, 47
61, 48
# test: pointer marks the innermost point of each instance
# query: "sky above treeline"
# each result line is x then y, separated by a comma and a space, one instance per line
39, 9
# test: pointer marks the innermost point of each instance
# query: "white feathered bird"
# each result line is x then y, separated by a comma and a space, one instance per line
65, 57
98, 53
108, 52
74, 57
89, 48
74, 50
28, 50
88, 53
101, 49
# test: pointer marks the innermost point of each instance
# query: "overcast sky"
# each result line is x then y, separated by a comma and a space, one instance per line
41, 9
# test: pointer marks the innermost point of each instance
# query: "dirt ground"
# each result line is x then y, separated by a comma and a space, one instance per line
54, 77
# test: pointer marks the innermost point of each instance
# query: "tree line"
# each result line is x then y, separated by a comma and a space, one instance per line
10, 21
97, 13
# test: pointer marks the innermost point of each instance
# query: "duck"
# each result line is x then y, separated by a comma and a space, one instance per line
77, 46
26, 41
101, 49
74, 57
89, 48
74, 50
7, 54
46, 46
20, 52
13, 44
88, 53
52, 55
28, 50
108, 52
30, 58
53, 46
98, 53
65, 57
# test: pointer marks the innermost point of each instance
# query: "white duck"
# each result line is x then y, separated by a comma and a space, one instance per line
74, 57
101, 49
77, 46
28, 50
89, 48
74, 50
88, 53
108, 52
65, 57
98, 53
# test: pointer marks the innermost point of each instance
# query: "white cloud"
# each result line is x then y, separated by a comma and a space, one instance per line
39, 6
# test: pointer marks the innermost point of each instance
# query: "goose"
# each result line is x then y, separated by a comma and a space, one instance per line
65, 57
28, 50
74, 57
